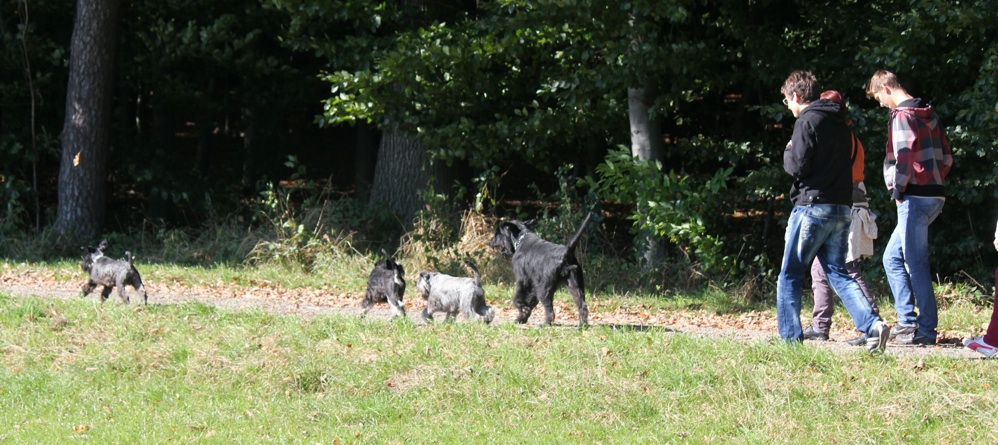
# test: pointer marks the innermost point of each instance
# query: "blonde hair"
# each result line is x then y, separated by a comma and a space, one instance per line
881, 79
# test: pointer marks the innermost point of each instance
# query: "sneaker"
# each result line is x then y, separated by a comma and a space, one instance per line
911, 339
902, 330
978, 344
858, 341
811, 334
877, 340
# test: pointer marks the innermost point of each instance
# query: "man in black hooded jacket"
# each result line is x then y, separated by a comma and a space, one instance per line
818, 157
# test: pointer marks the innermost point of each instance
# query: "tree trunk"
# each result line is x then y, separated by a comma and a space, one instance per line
403, 170
646, 144
86, 130
366, 155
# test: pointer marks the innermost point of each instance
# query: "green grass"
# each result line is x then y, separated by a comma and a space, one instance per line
74, 369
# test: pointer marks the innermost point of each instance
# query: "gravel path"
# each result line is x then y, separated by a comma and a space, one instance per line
756, 326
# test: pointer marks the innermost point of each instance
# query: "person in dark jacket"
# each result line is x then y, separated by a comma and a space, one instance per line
818, 158
861, 233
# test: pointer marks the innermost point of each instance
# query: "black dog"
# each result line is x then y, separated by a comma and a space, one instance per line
109, 273
386, 283
540, 268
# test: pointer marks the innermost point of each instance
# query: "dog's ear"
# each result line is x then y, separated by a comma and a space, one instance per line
102, 245
510, 227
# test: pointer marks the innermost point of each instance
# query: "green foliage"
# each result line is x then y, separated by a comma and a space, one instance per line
212, 97
301, 231
670, 204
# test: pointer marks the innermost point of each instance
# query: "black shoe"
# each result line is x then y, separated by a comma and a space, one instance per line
811, 334
858, 341
910, 339
898, 331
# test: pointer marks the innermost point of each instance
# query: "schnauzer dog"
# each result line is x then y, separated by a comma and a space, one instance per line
453, 295
386, 283
540, 268
109, 273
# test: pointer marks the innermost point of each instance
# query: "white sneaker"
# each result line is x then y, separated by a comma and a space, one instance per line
978, 344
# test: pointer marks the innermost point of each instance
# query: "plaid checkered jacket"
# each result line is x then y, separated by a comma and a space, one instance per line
918, 156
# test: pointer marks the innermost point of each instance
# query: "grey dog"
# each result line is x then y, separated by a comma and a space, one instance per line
540, 267
454, 295
386, 283
109, 273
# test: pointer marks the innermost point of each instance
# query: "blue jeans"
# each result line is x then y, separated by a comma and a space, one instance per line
822, 231
906, 263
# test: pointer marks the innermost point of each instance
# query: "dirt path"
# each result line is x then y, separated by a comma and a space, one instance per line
309, 302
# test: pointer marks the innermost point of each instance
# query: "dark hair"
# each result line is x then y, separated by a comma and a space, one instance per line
804, 84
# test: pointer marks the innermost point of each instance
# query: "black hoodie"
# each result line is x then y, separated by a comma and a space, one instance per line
818, 156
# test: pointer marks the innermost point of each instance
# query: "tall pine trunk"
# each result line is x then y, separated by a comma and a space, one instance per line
87, 125
646, 144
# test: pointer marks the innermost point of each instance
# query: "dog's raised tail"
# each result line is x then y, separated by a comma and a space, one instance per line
578, 234
474, 270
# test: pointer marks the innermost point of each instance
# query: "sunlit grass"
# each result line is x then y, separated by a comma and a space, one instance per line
74, 369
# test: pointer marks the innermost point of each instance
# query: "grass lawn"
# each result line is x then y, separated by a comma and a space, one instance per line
75, 371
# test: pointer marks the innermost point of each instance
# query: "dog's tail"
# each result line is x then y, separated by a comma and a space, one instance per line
578, 234
474, 270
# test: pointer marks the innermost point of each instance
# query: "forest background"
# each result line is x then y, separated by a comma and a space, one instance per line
277, 129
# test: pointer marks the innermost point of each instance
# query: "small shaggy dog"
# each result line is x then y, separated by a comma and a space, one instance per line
540, 267
109, 273
453, 295
386, 283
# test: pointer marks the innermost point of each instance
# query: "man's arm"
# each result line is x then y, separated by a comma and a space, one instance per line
903, 135
800, 150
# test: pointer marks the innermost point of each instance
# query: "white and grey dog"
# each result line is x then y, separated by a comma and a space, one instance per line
454, 295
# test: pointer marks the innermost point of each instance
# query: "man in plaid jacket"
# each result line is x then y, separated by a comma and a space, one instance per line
918, 159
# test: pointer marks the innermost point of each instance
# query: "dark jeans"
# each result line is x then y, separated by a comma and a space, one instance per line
824, 307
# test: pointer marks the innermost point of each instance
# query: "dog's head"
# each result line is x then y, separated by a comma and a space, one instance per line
92, 254
388, 263
424, 283
508, 236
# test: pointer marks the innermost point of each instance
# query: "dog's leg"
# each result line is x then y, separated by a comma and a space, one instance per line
145, 297
547, 300
398, 310
121, 292
524, 302
136, 283
577, 287
88, 288
487, 314
365, 305
429, 311
104, 293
